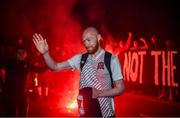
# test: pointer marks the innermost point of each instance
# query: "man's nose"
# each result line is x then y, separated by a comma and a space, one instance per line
87, 43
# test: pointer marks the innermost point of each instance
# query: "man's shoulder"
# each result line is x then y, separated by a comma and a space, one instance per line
109, 53
76, 57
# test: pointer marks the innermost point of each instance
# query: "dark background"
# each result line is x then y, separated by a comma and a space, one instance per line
24, 17
61, 22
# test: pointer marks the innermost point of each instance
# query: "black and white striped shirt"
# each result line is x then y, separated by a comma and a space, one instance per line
95, 74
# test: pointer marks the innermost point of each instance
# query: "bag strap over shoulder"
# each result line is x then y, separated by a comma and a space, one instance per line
83, 60
107, 60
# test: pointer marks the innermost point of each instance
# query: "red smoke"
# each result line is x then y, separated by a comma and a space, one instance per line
53, 19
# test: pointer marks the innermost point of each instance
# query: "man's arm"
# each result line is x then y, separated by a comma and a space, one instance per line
117, 90
145, 46
42, 47
128, 42
54, 65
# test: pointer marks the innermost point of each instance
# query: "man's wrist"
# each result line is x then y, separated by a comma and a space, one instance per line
99, 93
45, 52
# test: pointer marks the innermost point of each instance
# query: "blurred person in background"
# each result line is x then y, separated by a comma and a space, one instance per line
15, 92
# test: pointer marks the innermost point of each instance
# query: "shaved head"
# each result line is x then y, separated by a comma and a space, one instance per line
91, 30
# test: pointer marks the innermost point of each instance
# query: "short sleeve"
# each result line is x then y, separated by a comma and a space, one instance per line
116, 69
74, 62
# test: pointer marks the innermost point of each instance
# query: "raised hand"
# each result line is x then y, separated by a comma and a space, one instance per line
129, 34
142, 39
40, 43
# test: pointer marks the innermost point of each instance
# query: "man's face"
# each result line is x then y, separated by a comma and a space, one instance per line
90, 40
121, 44
153, 40
135, 44
21, 54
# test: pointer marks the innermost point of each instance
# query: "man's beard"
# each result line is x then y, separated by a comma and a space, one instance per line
93, 49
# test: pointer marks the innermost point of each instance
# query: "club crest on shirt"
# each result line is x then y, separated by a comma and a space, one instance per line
100, 65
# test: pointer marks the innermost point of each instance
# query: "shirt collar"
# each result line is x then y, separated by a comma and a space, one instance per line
98, 55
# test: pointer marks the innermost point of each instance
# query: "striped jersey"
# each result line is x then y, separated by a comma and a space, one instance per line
95, 74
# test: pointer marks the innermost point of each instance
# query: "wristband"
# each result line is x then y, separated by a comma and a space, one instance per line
45, 52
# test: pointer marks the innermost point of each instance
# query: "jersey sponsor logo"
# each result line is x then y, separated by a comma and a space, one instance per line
100, 65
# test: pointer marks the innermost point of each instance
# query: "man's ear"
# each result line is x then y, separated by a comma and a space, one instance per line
99, 37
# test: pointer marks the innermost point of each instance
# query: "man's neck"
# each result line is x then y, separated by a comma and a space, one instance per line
97, 52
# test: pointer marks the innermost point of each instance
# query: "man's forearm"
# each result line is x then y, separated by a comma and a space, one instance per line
117, 90
57, 66
111, 92
49, 61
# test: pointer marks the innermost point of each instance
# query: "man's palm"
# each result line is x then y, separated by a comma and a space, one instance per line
40, 43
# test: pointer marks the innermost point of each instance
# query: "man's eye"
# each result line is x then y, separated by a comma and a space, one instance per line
88, 39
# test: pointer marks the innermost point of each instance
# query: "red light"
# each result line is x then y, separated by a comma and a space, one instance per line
72, 105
